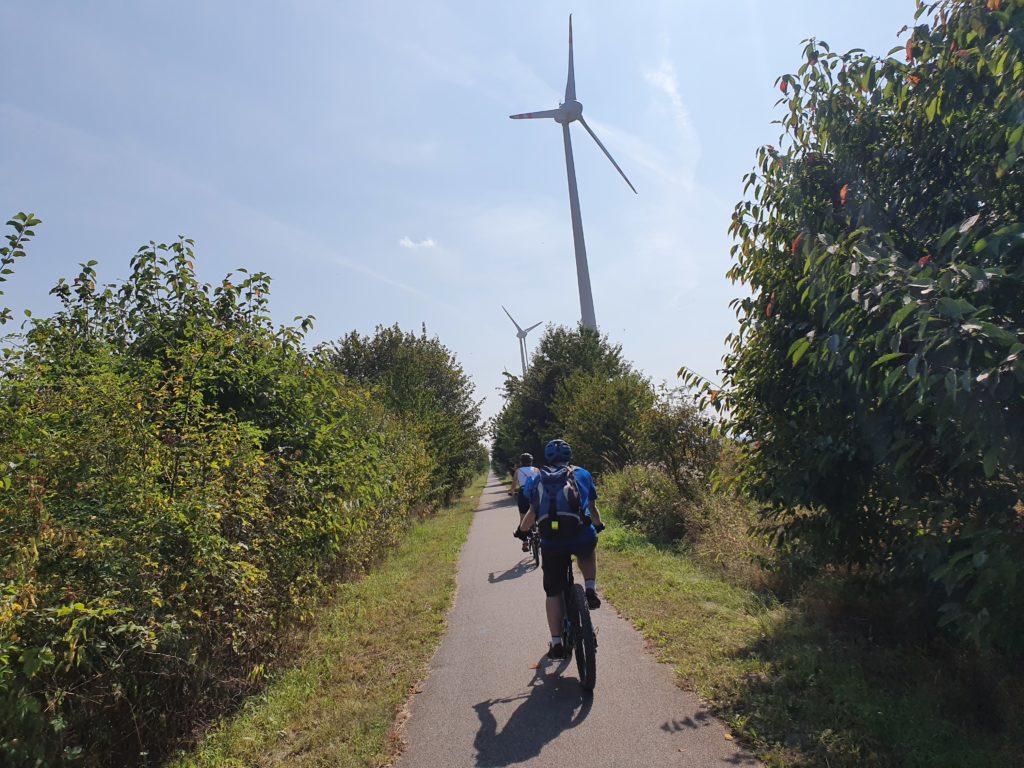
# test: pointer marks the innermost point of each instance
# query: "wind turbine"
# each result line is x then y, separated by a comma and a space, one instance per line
521, 335
570, 111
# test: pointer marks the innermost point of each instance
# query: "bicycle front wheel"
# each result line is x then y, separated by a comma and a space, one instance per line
585, 640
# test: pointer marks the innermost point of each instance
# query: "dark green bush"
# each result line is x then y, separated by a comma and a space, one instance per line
876, 380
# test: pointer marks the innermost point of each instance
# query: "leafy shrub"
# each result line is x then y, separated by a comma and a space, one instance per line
876, 378
645, 497
674, 435
182, 481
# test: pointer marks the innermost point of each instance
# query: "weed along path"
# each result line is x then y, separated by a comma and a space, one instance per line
491, 698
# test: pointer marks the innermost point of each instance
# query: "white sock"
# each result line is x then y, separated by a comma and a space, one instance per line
590, 584
556, 639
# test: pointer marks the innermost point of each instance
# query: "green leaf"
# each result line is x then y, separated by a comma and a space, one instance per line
902, 314
798, 349
888, 358
955, 308
990, 460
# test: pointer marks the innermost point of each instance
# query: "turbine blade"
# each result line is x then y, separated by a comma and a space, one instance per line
512, 319
536, 115
570, 81
607, 153
532, 327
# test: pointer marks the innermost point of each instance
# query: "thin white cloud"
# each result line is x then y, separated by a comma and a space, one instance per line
408, 242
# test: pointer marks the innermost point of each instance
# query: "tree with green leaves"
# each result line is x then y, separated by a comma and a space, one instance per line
528, 419
420, 379
876, 379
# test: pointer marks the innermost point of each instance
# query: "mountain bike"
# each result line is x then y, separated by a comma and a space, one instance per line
535, 545
578, 631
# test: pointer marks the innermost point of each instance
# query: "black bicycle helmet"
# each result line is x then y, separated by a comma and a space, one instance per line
525, 459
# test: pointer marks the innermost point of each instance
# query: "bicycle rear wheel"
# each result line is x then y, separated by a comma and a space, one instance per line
535, 548
585, 640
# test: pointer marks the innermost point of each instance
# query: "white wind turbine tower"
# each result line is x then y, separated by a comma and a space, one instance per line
521, 335
569, 111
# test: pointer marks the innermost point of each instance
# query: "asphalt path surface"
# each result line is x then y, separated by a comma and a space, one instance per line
492, 699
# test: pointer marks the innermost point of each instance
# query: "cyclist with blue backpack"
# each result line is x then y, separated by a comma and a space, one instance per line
563, 501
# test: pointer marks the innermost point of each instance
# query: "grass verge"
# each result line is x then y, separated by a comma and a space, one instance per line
800, 693
370, 644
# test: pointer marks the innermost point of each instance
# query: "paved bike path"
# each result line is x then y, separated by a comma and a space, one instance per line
493, 700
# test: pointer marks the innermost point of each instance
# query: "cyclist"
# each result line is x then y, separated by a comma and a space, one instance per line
520, 478
563, 501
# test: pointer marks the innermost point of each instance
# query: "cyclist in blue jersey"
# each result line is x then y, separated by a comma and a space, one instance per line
563, 501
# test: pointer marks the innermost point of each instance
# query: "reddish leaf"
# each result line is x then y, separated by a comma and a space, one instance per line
993, 5
783, 85
796, 243
842, 193
714, 396
924, 260
910, 50
914, 79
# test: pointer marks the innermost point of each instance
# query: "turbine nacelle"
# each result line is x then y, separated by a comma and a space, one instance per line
569, 111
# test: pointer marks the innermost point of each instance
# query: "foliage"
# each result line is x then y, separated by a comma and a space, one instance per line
420, 379
674, 435
368, 644
876, 379
597, 415
22, 224
645, 497
183, 479
527, 421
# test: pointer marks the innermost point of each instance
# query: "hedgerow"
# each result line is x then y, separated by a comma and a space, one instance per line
876, 382
181, 481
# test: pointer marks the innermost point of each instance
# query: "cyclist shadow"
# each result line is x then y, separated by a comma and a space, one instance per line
521, 568
553, 705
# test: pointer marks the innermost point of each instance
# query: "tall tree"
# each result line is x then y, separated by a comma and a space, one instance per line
876, 377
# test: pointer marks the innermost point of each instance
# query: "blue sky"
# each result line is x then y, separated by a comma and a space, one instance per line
361, 153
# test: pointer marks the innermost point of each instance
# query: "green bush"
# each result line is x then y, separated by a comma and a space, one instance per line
876, 379
182, 481
645, 497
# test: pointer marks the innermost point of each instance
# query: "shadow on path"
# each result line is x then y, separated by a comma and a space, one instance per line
553, 705
521, 568
502, 501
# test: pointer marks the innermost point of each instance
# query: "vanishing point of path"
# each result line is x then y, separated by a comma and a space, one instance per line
493, 700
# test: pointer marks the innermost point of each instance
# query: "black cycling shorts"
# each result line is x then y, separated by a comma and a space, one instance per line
555, 562
524, 502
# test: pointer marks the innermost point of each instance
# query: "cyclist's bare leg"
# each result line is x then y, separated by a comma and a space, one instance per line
553, 606
588, 565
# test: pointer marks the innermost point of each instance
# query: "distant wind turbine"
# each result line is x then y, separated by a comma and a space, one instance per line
569, 111
521, 335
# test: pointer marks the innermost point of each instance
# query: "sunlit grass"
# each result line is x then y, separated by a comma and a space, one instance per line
800, 693
370, 644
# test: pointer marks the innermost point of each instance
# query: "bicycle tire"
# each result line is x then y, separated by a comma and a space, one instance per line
535, 549
586, 641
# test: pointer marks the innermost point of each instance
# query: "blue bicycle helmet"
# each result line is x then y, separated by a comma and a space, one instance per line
557, 452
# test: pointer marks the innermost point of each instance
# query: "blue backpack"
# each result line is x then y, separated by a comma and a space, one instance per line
559, 511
